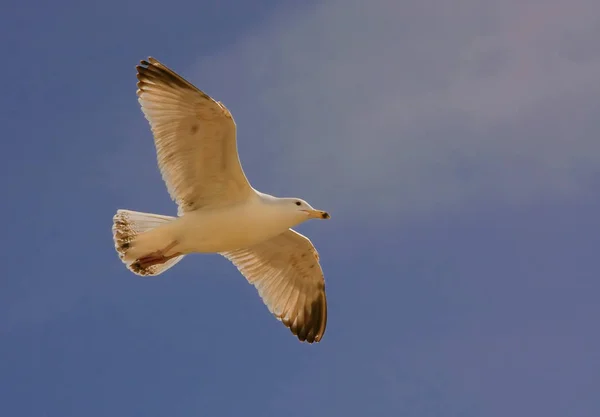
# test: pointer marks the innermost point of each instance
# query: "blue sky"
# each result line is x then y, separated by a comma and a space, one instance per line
456, 146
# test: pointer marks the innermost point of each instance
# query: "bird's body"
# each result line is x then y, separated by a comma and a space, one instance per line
210, 230
219, 211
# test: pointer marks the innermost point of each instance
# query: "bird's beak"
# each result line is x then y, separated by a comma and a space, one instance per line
317, 214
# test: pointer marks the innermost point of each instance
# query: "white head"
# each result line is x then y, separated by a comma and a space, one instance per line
295, 210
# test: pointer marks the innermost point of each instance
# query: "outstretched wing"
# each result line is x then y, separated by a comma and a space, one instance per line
195, 138
286, 272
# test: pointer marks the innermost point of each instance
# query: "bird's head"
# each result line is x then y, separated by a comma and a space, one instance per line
298, 210
306, 209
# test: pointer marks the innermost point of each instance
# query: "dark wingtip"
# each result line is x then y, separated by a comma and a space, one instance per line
312, 328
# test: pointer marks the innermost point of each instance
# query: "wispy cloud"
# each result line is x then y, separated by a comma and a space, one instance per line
418, 105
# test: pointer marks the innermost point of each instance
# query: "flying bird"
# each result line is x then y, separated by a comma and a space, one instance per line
218, 210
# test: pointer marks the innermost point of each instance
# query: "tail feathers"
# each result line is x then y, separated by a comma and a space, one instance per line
132, 241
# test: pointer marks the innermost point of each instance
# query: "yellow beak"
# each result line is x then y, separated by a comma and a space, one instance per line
317, 214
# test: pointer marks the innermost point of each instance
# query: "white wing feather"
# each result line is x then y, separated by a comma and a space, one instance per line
286, 272
195, 138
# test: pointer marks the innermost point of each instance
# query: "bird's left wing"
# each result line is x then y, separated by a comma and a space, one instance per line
286, 272
195, 138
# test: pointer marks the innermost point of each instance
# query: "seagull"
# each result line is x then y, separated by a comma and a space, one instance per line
218, 210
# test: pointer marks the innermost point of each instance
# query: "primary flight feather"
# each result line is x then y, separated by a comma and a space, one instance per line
218, 210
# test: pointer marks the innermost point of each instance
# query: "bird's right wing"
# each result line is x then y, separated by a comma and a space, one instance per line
195, 138
286, 272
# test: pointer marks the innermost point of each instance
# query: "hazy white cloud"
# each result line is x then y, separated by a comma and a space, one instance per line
417, 105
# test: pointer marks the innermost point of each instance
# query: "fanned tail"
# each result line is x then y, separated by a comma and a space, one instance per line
140, 242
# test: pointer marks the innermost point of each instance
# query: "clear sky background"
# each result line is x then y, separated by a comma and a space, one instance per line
456, 144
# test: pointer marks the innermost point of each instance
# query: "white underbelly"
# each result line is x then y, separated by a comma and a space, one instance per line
222, 231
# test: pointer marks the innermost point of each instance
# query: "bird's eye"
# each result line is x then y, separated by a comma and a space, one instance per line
298, 203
